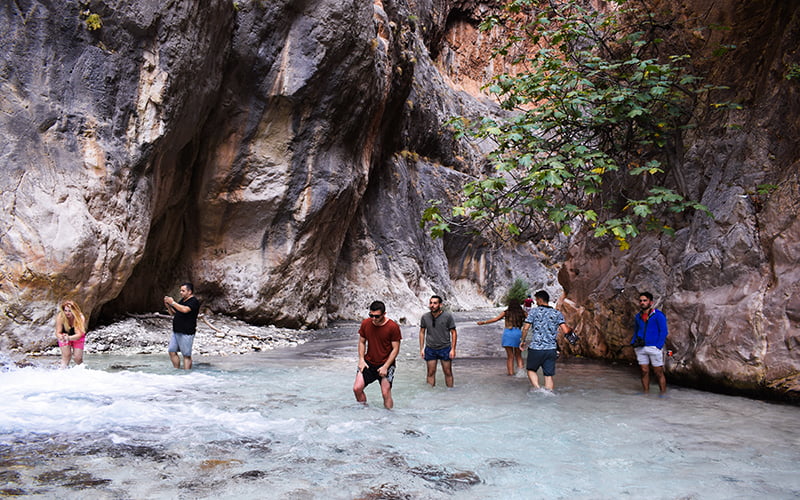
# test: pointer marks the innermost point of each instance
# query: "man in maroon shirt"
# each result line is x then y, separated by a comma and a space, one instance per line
378, 346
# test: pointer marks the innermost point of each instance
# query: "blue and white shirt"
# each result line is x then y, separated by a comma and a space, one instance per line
544, 322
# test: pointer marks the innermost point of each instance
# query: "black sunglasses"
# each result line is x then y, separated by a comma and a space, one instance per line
373, 316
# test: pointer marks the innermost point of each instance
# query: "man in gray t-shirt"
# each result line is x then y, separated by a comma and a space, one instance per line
437, 340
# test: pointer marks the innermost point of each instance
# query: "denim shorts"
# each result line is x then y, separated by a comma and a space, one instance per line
181, 342
434, 354
512, 337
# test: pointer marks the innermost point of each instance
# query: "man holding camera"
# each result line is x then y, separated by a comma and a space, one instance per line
649, 334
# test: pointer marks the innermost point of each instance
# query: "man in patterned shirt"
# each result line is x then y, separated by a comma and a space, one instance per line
546, 322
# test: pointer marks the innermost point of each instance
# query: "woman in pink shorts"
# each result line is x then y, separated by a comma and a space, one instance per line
70, 332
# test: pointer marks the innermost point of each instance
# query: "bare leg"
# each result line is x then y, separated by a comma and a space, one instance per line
176, 360
645, 378
534, 378
431, 376
187, 362
509, 359
518, 356
66, 354
662, 379
386, 392
447, 368
77, 355
358, 388
548, 382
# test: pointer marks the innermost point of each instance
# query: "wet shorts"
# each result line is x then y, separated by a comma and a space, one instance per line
370, 373
512, 337
434, 354
181, 342
649, 355
545, 359
75, 344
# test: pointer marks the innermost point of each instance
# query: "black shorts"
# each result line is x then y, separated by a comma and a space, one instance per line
545, 359
370, 373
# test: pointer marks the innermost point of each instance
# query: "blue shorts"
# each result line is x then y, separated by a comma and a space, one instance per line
512, 337
545, 359
181, 342
434, 354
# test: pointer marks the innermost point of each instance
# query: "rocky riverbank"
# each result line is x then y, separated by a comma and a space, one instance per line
149, 334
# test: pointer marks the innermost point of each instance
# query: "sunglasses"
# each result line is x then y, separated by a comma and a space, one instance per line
375, 316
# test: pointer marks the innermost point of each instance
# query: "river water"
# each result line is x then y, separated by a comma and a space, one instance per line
284, 424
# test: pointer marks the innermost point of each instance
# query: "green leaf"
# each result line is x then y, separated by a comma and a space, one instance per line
582, 114
642, 210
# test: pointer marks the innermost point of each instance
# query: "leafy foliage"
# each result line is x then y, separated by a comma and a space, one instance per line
594, 113
793, 72
518, 290
93, 21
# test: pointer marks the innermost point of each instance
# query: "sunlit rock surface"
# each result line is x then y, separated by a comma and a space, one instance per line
279, 154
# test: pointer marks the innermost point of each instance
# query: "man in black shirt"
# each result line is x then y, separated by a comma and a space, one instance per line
184, 325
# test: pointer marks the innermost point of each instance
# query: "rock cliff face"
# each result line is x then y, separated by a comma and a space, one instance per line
279, 153
95, 128
728, 284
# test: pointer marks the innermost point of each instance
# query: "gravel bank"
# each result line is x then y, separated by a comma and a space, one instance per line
216, 336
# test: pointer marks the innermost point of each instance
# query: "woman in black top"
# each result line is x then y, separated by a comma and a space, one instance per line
70, 332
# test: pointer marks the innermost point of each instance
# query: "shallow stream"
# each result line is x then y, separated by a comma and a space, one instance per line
284, 424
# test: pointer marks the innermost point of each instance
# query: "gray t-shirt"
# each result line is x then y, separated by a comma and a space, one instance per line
437, 331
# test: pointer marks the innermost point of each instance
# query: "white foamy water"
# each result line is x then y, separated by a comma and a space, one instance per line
284, 424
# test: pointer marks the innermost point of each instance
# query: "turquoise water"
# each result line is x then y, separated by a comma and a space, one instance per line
284, 424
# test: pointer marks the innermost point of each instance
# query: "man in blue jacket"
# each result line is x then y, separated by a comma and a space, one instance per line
649, 334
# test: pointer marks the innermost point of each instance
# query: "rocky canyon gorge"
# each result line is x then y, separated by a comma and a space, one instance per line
279, 155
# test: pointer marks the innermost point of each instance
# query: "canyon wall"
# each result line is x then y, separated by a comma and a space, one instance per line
728, 283
279, 154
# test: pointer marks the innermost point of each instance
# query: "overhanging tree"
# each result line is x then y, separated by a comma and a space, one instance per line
596, 113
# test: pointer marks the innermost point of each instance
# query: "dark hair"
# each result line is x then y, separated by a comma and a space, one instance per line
541, 294
441, 301
378, 306
647, 294
515, 314
188, 285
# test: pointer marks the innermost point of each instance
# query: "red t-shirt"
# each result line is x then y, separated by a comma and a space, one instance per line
379, 340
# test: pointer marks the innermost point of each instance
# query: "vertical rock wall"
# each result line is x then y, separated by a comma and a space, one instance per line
728, 284
92, 126
278, 154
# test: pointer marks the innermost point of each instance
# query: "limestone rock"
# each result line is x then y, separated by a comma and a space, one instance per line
728, 284
277, 154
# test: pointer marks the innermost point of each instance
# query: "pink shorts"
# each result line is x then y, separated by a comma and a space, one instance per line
75, 344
